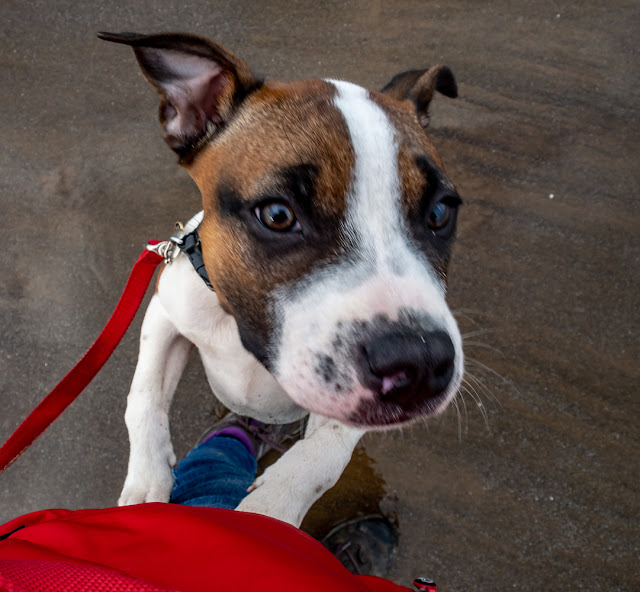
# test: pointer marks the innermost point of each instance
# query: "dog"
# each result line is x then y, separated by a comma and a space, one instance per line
326, 233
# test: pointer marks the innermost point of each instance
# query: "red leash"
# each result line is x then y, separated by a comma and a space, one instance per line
89, 365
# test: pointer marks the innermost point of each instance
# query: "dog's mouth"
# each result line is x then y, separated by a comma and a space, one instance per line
376, 413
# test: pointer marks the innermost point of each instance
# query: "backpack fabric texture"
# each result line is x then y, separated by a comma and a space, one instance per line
168, 548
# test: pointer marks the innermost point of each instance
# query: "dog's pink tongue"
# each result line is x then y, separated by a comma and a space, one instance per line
393, 381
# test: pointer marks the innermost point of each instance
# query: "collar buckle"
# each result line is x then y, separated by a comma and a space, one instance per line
185, 239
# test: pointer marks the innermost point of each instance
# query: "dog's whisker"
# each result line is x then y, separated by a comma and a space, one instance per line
503, 379
479, 364
484, 389
459, 315
478, 332
424, 420
468, 314
485, 345
473, 393
459, 416
466, 414
470, 311
468, 388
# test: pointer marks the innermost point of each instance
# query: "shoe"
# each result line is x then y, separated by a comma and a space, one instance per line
365, 546
257, 436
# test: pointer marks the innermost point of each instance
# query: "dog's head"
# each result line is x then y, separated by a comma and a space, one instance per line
328, 224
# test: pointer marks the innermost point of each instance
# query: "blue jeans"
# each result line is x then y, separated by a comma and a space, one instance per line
216, 474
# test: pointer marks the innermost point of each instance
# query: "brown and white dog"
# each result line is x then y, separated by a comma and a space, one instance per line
326, 234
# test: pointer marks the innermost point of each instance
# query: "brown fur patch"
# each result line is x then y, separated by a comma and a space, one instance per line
282, 124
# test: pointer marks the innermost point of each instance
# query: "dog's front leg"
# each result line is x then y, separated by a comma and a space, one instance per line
289, 487
163, 355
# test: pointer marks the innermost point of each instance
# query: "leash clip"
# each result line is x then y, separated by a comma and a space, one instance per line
171, 248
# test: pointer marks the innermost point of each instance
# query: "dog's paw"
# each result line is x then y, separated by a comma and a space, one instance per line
274, 498
274, 508
139, 495
148, 485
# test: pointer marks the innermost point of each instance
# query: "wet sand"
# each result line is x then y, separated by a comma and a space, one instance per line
532, 482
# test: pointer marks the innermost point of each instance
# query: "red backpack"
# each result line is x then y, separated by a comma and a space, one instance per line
167, 547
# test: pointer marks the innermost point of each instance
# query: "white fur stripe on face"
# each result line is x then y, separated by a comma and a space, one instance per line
374, 212
374, 208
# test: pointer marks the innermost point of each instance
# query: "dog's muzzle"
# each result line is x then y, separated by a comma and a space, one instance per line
382, 372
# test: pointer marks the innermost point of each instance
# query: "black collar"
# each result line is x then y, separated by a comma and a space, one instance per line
192, 248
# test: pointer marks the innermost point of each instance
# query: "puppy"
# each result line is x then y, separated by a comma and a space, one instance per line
326, 233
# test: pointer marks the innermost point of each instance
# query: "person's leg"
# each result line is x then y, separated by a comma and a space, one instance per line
216, 473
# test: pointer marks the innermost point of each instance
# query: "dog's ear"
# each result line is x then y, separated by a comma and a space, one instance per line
199, 82
417, 86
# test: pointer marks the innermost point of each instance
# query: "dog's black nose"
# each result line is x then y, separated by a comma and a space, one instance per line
402, 366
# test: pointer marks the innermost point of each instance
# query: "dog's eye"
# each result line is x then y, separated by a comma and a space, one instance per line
277, 216
439, 216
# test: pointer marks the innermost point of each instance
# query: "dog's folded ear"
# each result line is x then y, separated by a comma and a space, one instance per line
200, 84
418, 86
